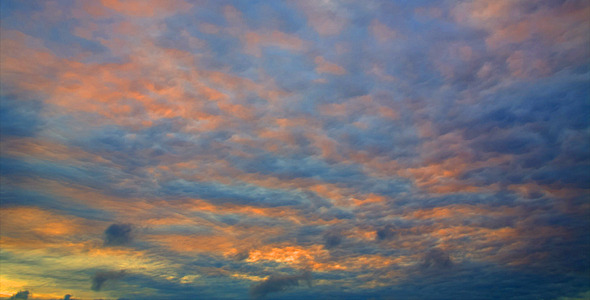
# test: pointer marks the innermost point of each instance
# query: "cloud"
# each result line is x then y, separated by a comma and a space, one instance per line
19, 118
99, 279
279, 283
326, 17
387, 232
254, 42
242, 255
472, 149
382, 32
332, 239
24, 295
118, 235
324, 66
68, 297
436, 259
141, 8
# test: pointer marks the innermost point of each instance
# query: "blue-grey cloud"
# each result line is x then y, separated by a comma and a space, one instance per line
101, 277
332, 239
118, 235
279, 283
436, 259
24, 295
20, 117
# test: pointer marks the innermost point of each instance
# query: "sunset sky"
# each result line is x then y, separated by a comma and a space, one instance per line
305, 149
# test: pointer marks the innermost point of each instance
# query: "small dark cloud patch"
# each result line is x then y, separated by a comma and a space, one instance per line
20, 295
279, 283
332, 239
386, 233
99, 279
242, 255
436, 259
68, 297
118, 235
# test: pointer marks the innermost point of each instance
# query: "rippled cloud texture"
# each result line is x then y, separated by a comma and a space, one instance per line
309, 149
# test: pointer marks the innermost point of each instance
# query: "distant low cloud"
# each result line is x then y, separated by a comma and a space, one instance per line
118, 235
20, 295
279, 283
101, 277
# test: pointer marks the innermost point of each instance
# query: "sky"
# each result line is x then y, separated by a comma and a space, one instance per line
308, 149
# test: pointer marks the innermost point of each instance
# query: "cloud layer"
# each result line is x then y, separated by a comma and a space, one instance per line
230, 149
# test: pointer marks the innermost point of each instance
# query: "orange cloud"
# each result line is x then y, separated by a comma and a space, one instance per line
382, 32
209, 28
508, 23
47, 150
318, 259
166, 88
255, 41
144, 8
370, 198
326, 17
324, 66
33, 221
214, 244
313, 257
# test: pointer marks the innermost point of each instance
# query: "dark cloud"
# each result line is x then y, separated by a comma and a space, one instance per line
505, 145
436, 259
20, 295
101, 277
387, 232
242, 255
332, 239
471, 280
68, 297
118, 235
279, 283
